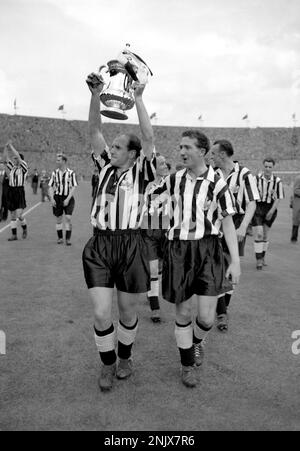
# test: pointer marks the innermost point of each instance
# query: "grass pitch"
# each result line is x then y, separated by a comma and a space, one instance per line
48, 377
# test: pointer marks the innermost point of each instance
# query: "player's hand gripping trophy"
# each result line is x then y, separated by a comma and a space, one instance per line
116, 82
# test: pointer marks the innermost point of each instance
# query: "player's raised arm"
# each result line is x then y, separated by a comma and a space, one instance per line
96, 138
144, 121
14, 151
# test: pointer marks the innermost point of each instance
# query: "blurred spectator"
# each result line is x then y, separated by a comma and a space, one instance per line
295, 205
35, 181
44, 185
3, 192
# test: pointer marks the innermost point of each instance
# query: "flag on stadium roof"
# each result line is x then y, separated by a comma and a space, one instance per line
153, 116
200, 117
61, 107
294, 116
15, 103
245, 117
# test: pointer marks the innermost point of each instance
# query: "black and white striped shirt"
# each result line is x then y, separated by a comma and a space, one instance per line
196, 206
63, 182
155, 216
101, 161
269, 190
119, 202
17, 175
242, 185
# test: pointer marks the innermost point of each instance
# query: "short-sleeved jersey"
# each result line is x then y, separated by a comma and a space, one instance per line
242, 185
63, 182
120, 200
269, 189
17, 174
196, 206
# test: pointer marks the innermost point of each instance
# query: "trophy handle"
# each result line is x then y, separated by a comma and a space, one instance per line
104, 74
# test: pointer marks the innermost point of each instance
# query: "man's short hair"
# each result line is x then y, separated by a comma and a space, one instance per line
225, 146
134, 143
62, 156
269, 160
201, 139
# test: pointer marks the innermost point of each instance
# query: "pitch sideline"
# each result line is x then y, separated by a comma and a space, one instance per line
25, 214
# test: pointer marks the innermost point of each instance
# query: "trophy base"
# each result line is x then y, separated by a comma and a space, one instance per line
114, 113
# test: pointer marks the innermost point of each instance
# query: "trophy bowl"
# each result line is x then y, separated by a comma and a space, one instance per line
118, 96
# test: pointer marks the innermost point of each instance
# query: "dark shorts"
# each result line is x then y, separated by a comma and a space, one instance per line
259, 218
59, 210
237, 220
117, 259
194, 267
156, 242
16, 198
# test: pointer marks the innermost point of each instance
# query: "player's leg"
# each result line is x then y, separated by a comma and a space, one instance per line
23, 222
68, 226
295, 232
68, 217
59, 229
102, 299
13, 226
259, 245
206, 308
127, 331
132, 274
153, 294
184, 341
224, 300
266, 233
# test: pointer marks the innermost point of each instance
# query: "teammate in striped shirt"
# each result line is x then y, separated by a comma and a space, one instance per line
199, 202
116, 255
242, 185
62, 186
155, 222
16, 201
271, 193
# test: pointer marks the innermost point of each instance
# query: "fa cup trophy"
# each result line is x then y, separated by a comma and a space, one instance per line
119, 77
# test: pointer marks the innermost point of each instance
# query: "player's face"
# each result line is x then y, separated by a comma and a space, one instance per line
191, 155
161, 166
120, 156
268, 168
216, 157
15, 161
59, 162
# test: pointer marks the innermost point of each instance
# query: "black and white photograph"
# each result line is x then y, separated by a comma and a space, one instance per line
149, 218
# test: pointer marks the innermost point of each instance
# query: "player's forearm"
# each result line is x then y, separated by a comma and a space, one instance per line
5, 154
14, 152
250, 210
231, 238
51, 193
96, 137
275, 206
71, 193
145, 125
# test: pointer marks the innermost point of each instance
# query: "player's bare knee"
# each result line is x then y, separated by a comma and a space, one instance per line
102, 318
207, 322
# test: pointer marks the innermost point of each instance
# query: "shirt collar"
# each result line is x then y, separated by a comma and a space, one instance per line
208, 175
267, 180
